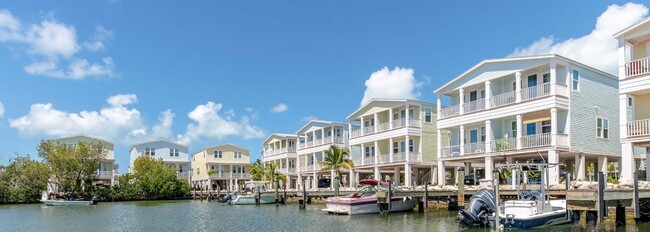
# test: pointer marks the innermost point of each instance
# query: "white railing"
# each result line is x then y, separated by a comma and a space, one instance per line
318, 142
474, 106
307, 168
338, 139
368, 160
310, 144
637, 67
414, 122
183, 175
449, 111
292, 170
318, 166
397, 123
536, 91
562, 90
450, 151
245, 175
503, 99
504, 144
536, 140
384, 158
355, 133
369, 130
474, 148
327, 139
356, 162
400, 156
414, 157
218, 175
638, 128
105, 174
301, 146
384, 126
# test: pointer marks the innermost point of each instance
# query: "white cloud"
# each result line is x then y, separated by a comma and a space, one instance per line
208, 123
396, 83
116, 122
2, 110
51, 44
280, 108
598, 48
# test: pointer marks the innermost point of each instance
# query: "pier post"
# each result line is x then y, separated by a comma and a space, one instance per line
259, 196
420, 207
496, 195
567, 182
592, 219
602, 207
303, 202
637, 210
575, 217
426, 195
620, 215
461, 188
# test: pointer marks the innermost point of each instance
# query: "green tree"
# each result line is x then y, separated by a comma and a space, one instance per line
337, 158
272, 174
23, 180
257, 170
155, 180
73, 167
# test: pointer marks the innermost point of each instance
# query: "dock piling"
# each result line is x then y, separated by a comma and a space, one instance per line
620, 215
420, 207
461, 188
637, 210
592, 219
426, 195
575, 217
602, 206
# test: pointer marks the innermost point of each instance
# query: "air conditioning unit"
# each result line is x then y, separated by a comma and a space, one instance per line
479, 151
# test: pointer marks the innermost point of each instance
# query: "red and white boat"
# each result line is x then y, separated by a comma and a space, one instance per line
364, 201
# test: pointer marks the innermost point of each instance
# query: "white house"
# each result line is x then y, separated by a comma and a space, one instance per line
172, 154
281, 150
529, 109
634, 95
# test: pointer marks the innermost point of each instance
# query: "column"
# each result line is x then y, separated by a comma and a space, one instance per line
419, 150
627, 162
519, 131
441, 173
553, 80
647, 158
332, 132
489, 167
408, 116
396, 176
553, 172
580, 167
351, 178
315, 179
461, 101
363, 155
408, 150
554, 126
390, 149
456, 175
407, 173
518, 87
313, 166
434, 174
390, 118
622, 99
602, 165
438, 106
230, 176
377, 152
362, 126
488, 136
374, 116
621, 58
298, 164
462, 140
286, 164
377, 174
513, 173
439, 147
349, 130
322, 136
488, 94
299, 182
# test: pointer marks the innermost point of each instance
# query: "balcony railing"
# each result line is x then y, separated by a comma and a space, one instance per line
318, 142
450, 151
384, 158
301, 146
503, 99
450, 111
338, 139
183, 175
474, 106
105, 174
536, 91
474, 148
368, 160
399, 123
400, 156
536, 140
414, 122
310, 144
384, 126
504, 144
415, 157
637, 67
355, 133
357, 162
245, 175
369, 130
638, 128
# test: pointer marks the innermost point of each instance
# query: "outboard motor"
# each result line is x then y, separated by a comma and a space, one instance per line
481, 206
227, 198
94, 200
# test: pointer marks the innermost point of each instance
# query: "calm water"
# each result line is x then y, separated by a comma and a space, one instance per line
210, 216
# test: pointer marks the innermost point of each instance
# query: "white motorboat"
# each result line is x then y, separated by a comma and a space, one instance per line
249, 198
365, 201
527, 213
45, 199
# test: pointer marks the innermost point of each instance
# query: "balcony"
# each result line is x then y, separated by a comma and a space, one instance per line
450, 151
307, 168
369, 160
503, 99
384, 126
355, 133
105, 174
369, 130
537, 91
280, 151
637, 67
474, 106
318, 142
474, 148
638, 128
183, 175
383, 158
502, 145
450, 111
245, 175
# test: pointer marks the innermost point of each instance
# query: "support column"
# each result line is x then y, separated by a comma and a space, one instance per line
488, 136
377, 174
299, 182
408, 116
488, 94
377, 152
286, 164
390, 150
627, 162
518, 87
363, 155
441, 174
461, 102
554, 172
439, 143
314, 181
351, 178
554, 126
434, 174
362, 126
332, 134
623, 57
553, 80
408, 149
396, 176
602, 165
581, 166
647, 158
332, 175
376, 126
407, 174
489, 167
462, 140
438, 107
390, 118
519, 131
513, 172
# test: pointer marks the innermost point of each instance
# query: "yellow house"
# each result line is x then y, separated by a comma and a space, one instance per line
229, 162
108, 169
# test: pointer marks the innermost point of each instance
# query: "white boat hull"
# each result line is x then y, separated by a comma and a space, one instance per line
523, 214
352, 206
66, 203
250, 200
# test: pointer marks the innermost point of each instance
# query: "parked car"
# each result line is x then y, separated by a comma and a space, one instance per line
470, 180
324, 183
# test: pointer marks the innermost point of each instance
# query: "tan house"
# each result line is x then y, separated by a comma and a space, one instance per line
229, 162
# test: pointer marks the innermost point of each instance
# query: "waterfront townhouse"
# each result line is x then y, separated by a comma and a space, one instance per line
396, 139
281, 150
544, 108
314, 139
108, 169
173, 155
634, 95
229, 162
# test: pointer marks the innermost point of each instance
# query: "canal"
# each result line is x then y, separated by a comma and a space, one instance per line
211, 216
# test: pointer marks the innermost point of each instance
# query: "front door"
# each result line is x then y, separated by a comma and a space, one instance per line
532, 80
473, 136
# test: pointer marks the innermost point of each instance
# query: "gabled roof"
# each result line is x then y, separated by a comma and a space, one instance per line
278, 135
318, 122
497, 74
375, 100
155, 141
631, 27
225, 144
84, 136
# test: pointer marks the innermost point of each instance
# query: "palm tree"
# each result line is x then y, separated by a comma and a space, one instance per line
210, 173
272, 174
257, 170
337, 158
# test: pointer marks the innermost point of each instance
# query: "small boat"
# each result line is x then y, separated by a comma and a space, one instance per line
45, 199
364, 201
249, 199
527, 214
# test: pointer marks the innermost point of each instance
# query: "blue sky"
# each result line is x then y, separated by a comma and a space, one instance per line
230, 63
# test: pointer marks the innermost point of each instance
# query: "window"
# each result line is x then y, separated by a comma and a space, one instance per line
602, 128
482, 94
575, 80
176, 152
395, 116
546, 78
482, 134
329, 133
427, 115
367, 152
514, 129
238, 155
411, 114
514, 85
337, 132
410, 145
171, 152
395, 148
402, 146
531, 128
472, 96
532, 80
546, 126
147, 151
629, 101
403, 114
218, 154
373, 151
